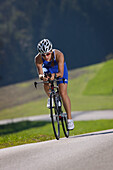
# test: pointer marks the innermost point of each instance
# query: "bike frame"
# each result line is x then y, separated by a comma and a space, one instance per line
56, 111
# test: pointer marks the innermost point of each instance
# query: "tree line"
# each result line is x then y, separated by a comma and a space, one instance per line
82, 30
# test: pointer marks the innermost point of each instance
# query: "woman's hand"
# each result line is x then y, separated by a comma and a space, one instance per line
45, 78
52, 76
42, 77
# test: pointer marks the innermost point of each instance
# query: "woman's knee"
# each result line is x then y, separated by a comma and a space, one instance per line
63, 93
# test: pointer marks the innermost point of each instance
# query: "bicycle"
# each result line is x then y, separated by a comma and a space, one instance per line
56, 112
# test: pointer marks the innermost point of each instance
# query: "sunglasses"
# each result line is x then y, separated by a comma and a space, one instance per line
47, 54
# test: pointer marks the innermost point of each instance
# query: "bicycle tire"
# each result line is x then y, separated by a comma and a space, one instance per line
64, 126
54, 117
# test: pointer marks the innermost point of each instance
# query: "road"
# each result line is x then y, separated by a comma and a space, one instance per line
93, 151
77, 115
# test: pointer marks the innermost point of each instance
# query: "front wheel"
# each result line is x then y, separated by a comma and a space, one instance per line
54, 117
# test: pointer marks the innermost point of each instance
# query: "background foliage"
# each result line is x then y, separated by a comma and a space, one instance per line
83, 30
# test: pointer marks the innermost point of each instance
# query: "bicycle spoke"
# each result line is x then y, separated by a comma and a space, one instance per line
55, 118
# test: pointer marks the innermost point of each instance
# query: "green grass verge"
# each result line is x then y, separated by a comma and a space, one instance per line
37, 131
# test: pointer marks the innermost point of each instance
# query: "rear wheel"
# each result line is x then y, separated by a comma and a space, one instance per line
64, 126
54, 117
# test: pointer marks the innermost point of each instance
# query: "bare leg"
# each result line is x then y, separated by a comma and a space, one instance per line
46, 88
65, 99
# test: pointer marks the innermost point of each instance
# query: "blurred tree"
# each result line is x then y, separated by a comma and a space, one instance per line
83, 30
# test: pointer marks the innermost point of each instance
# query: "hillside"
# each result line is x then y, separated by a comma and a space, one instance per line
22, 99
20, 93
102, 83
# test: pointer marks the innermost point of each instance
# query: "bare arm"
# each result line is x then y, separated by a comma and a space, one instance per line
39, 62
60, 61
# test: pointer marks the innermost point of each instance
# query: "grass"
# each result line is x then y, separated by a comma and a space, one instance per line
28, 109
20, 94
102, 83
79, 101
37, 131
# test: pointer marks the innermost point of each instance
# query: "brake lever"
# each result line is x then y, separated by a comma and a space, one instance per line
35, 84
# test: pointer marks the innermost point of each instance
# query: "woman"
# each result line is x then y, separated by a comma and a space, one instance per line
52, 61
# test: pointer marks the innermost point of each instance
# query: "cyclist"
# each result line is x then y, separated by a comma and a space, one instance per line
51, 60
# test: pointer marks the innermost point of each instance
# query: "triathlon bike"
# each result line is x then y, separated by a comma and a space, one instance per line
57, 116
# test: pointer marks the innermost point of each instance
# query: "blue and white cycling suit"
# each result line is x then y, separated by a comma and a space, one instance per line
47, 68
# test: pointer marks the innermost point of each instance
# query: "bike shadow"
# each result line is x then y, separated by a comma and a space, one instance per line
24, 125
93, 134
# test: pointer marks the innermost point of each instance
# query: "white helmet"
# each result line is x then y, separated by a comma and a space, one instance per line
44, 46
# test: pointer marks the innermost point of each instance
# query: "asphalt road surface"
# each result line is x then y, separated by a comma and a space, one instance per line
93, 151
77, 115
